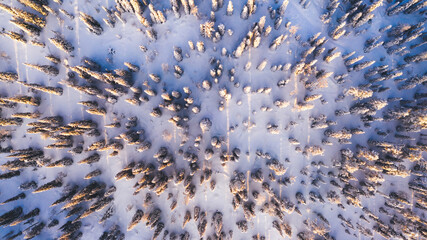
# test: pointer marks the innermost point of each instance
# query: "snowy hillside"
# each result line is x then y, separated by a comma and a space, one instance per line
213, 119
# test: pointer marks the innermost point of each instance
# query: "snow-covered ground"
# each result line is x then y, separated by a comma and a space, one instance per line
281, 131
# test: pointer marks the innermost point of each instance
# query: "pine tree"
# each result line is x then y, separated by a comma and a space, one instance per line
245, 12
186, 6
137, 217
230, 8
93, 174
10, 216
23, 99
97, 111
283, 7
92, 25
217, 222
17, 197
215, 5
26, 27
62, 44
110, 211
50, 185
49, 70
91, 159
158, 230
10, 174
53, 90
26, 16
363, 65
242, 225
15, 36
31, 214
200, 46
35, 230
420, 57
36, 5
201, 227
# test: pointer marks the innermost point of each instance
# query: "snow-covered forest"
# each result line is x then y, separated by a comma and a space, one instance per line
213, 119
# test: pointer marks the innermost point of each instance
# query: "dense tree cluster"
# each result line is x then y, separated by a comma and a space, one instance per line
378, 125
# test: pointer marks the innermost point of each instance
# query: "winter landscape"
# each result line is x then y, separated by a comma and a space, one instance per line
213, 119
